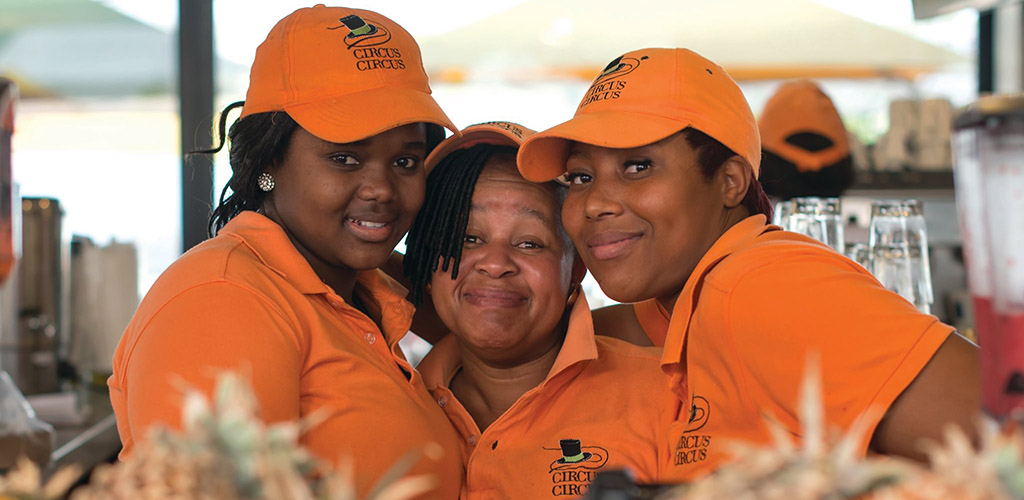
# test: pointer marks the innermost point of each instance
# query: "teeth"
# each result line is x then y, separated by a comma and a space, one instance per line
374, 225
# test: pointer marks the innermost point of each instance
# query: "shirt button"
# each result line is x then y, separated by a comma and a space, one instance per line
472, 440
442, 401
371, 338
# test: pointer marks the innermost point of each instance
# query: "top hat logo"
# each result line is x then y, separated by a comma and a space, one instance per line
362, 33
573, 456
620, 66
572, 451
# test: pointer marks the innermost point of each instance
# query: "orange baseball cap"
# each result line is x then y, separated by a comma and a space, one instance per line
499, 133
797, 107
342, 74
643, 97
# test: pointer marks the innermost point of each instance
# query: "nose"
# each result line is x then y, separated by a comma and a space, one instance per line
494, 260
377, 184
602, 199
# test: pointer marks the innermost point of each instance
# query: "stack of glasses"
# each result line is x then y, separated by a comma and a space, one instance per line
897, 248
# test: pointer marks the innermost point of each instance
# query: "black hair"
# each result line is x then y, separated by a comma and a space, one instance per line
257, 141
440, 226
711, 155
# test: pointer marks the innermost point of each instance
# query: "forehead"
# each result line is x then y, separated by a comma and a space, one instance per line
500, 189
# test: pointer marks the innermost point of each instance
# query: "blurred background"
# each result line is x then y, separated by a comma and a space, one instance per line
99, 128
96, 199
98, 124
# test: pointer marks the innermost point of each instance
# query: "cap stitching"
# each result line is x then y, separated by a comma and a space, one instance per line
289, 68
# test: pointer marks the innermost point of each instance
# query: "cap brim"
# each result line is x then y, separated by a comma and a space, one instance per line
468, 139
355, 117
542, 156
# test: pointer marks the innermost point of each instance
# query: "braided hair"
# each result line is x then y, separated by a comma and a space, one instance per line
440, 227
258, 141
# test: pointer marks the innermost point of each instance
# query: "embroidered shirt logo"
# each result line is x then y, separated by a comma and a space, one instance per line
572, 473
692, 446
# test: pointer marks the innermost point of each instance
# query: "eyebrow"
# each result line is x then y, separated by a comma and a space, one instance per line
527, 211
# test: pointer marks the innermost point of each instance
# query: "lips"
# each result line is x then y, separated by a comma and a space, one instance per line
494, 297
611, 244
370, 230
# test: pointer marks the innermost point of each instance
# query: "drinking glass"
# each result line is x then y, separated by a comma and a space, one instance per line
858, 252
820, 219
898, 247
783, 210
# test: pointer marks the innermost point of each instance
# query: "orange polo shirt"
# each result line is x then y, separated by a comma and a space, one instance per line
602, 406
653, 319
248, 300
758, 304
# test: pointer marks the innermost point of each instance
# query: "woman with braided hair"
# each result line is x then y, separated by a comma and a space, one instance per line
540, 403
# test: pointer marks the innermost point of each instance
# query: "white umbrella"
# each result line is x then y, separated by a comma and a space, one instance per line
751, 39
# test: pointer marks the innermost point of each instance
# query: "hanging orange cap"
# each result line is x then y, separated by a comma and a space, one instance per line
643, 97
342, 74
498, 133
801, 107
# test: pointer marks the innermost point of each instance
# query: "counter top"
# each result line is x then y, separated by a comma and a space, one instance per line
90, 444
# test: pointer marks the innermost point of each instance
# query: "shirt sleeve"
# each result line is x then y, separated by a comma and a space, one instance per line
869, 343
201, 333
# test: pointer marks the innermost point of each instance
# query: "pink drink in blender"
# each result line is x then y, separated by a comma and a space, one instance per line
989, 152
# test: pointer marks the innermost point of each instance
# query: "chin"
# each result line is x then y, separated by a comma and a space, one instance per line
367, 262
625, 289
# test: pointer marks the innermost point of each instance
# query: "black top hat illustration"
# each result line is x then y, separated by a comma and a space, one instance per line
357, 27
572, 452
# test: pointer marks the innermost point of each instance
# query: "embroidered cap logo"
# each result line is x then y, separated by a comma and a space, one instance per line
361, 33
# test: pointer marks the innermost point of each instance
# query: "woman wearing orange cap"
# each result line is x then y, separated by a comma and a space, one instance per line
662, 157
327, 176
541, 403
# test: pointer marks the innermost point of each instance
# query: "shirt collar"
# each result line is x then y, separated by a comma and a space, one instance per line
579, 344
275, 250
444, 359
737, 237
383, 297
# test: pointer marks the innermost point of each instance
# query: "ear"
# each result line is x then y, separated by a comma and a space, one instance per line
734, 177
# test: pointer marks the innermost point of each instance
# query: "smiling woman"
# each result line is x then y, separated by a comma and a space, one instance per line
327, 177
665, 207
541, 403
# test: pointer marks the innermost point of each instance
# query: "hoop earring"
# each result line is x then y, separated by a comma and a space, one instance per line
573, 296
265, 181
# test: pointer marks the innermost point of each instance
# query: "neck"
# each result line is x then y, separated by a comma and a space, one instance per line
343, 282
341, 279
487, 390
